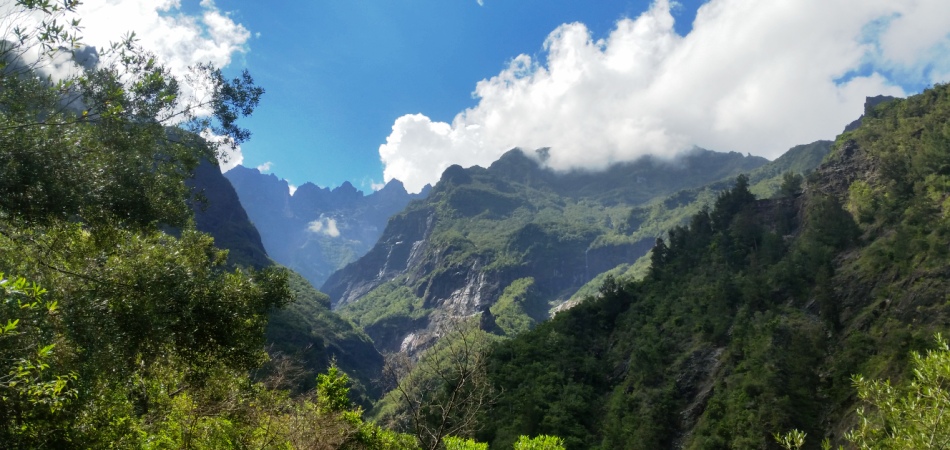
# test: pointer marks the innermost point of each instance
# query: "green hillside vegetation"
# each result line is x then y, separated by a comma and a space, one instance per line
515, 221
653, 220
121, 325
307, 334
766, 181
124, 326
755, 315
660, 215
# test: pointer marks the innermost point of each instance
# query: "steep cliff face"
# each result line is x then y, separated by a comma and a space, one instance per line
219, 213
453, 255
315, 230
392, 255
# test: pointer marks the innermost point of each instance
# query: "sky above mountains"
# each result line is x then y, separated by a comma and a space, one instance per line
373, 90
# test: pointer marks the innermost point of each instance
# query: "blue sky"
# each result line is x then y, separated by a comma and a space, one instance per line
338, 74
365, 91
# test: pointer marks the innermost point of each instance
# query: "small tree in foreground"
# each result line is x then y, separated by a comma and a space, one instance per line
913, 416
542, 442
443, 392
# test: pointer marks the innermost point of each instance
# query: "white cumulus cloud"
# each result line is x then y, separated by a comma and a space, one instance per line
264, 167
325, 226
179, 40
752, 76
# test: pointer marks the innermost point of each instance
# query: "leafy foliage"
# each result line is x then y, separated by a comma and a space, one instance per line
911, 416
440, 395
143, 337
315, 338
755, 314
542, 442
512, 221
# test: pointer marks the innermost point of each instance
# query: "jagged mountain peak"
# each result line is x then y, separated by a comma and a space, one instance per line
484, 230
316, 230
393, 185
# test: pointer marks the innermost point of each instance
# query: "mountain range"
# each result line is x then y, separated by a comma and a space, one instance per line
513, 241
756, 316
316, 231
305, 332
703, 302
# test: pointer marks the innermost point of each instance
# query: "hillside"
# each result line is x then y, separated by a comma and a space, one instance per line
316, 231
512, 241
305, 330
755, 315
219, 213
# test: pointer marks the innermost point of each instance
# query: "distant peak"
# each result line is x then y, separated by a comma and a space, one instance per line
347, 188
394, 185
308, 187
455, 174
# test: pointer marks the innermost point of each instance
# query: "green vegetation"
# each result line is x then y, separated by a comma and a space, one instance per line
755, 315
456, 443
121, 325
519, 308
542, 442
706, 297
516, 221
767, 180
307, 334
911, 416
442, 393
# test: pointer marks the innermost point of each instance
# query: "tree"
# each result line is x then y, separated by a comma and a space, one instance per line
731, 202
109, 141
791, 185
542, 442
455, 443
443, 392
913, 416
31, 395
140, 324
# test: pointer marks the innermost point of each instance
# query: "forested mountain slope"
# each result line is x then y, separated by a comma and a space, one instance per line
755, 315
121, 324
510, 241
305, 331
652, 220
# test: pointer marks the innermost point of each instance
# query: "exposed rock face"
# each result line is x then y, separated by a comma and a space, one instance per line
453, 256
316, 230
695, 381
869, 104
848, 164
393, 254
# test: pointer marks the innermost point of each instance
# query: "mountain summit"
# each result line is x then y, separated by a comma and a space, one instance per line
509, 242
315, 230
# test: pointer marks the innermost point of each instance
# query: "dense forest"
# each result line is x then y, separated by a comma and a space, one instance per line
121, 325
809, 319
756, 314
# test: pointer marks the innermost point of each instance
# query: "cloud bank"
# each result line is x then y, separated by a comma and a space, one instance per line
177, 39
751, 76
265, 167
